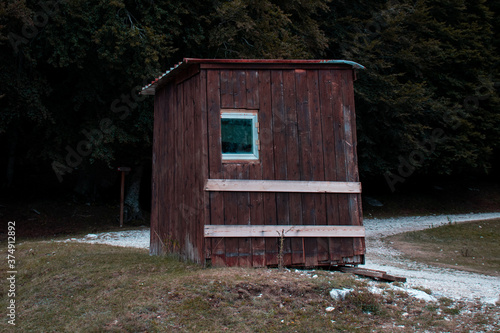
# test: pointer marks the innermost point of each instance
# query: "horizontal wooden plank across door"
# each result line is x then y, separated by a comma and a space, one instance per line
247, 185
288, 230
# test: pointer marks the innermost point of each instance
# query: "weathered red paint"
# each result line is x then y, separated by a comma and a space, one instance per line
307, 132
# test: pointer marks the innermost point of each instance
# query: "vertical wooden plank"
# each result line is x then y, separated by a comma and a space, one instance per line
195, 209
267, 159
163, 222
350, 139
206, 244
215, 162
162, 195
162, 174
195, 200
226, 89
213, 114
218, 254
252, 89
258, 244
168, 174
355, 209
186, 167
317, 157
179, 170
293, 160
186, 170
231, 215
280, 156
304, 125
239, 89
327, 95
244, 244
154, 220
190, 191
306, 161
341, 159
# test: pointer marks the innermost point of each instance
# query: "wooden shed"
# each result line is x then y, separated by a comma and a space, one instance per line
247, 151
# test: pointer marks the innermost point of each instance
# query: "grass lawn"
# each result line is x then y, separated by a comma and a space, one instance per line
68, 287
473, 246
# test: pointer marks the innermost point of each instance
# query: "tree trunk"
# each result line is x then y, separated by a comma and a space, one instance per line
132, 210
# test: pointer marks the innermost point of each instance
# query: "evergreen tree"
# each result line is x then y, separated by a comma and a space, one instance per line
70, 70
426, 103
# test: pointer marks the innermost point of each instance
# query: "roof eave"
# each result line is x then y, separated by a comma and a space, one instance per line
150, 89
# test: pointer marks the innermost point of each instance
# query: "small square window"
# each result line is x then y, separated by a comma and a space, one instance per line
239, 136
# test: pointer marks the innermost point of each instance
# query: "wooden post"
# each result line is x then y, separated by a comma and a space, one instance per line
122, 192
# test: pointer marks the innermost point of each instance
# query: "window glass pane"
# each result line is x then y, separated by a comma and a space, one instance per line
236, 136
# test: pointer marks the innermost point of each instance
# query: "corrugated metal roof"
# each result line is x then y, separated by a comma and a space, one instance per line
150, 89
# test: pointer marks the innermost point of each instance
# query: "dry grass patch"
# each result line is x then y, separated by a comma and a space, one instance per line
473, 246
67, 287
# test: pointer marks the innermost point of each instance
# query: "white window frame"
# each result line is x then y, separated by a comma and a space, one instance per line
239, 114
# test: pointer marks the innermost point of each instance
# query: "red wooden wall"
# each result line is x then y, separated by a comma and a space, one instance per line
180, 169
307, 132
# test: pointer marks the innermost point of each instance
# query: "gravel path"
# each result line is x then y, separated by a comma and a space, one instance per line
449, 283
130, 238
445, 282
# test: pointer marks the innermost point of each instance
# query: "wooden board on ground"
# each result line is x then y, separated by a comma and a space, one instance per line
380, 275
